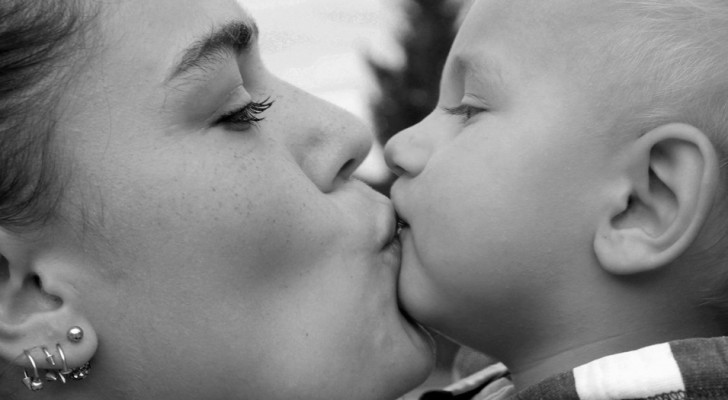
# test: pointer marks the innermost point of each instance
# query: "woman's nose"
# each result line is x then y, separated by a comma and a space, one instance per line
407, 153
327, 142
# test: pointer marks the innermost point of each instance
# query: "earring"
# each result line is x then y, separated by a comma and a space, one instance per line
49, 356
75, 334
76, 374
34, 384
81, 372
64, 367
54, 376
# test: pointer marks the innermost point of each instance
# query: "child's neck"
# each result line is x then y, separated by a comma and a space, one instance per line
585, 345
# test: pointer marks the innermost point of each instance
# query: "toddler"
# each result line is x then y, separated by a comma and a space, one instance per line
564, 205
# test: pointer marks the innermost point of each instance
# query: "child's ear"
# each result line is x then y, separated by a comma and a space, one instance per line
665, 194
39, 305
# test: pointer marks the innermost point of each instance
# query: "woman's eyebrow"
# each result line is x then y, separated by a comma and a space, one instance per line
227, 40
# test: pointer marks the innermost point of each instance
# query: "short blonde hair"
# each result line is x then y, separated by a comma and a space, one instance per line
681, 47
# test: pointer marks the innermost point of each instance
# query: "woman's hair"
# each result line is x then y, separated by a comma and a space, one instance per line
40, 43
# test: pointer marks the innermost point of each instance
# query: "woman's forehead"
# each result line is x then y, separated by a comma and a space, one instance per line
143, 41
171, 21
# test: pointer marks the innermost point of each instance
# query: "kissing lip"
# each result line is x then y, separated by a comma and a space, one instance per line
401, 224
401, 220
391, 227
392, 236
396, 225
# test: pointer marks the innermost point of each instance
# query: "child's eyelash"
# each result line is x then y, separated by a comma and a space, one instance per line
463, 110
248, 115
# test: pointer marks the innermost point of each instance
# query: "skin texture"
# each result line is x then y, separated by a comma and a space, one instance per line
540, 231
216, 261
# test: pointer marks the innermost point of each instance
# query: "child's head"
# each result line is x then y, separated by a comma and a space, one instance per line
562, 192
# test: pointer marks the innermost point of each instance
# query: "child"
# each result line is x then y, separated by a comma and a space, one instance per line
565, 202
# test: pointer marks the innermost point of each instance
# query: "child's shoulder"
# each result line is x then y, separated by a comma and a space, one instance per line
690, 368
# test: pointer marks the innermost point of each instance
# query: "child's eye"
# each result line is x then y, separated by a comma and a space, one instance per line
245, 117
465, 111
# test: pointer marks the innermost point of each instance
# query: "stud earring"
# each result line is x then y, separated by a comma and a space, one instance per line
75, 334
32, 383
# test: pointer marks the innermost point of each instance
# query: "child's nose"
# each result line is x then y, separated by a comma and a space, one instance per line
406, 153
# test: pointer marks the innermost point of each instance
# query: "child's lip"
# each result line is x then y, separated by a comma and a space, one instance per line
401, 224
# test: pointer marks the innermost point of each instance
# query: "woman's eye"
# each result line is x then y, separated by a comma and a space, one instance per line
465, 111
244, 118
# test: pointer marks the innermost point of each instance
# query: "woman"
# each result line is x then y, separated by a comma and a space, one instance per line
182, 220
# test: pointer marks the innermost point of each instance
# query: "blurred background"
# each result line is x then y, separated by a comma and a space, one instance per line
379, 59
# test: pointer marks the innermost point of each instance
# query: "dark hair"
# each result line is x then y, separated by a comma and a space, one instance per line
40, 41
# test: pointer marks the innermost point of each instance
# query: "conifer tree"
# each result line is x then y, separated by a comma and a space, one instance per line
408, 92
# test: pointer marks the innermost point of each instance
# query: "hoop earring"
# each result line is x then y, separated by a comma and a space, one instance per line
34, 384
49, 357
77, 374
64, 367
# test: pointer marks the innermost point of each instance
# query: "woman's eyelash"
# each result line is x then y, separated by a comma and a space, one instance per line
248, 115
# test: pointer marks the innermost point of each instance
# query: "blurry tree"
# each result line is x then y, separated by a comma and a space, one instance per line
408, 92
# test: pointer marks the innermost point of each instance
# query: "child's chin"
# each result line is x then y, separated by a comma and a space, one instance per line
417, 304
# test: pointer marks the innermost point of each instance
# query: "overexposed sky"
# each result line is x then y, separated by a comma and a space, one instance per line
319, 45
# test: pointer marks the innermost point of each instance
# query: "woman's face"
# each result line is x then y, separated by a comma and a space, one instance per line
235, 259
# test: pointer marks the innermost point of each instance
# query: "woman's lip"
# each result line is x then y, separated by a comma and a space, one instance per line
393, 252
392, 225
401, 224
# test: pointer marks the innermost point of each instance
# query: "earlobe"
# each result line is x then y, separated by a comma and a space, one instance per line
40, 322
662, 200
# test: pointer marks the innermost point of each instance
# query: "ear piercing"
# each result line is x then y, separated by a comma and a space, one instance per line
75, 334
64, 367
81, 372
49, 356
34, 383
76, 374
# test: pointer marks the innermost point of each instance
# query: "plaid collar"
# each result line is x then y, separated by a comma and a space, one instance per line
685, 369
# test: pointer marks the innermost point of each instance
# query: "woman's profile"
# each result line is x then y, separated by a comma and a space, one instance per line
178, 223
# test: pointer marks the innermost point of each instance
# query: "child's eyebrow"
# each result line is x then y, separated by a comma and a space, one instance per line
483, 68
482, 72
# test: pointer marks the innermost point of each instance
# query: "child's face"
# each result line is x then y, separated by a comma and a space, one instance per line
501, 193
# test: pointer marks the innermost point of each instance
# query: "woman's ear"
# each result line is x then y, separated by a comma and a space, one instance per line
666, 192
39, 306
